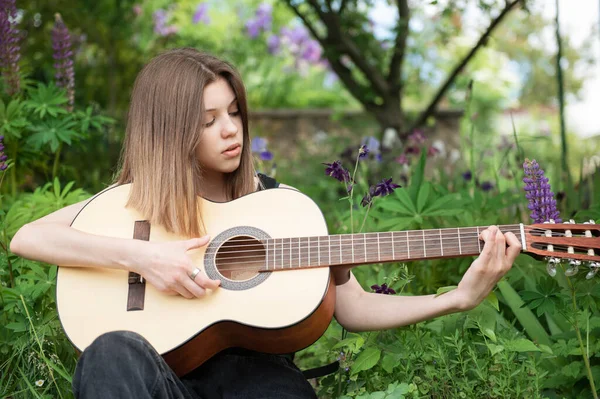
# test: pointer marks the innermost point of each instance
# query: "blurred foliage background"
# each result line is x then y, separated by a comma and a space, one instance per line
493, 64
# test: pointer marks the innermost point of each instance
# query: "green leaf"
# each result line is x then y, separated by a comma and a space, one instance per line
417, 177
390, 361
366, 360
521, 345
494, 349
17, 327
423, 196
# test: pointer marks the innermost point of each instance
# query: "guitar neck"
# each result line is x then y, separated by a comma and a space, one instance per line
365, 248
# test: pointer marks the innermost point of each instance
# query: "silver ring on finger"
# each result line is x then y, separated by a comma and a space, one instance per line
195, 273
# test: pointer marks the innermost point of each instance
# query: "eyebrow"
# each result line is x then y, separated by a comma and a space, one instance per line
214, 109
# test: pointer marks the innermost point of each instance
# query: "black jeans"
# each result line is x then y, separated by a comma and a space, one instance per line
123, 364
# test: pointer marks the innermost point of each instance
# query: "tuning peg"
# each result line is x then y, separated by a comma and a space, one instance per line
594, 267
551, 267
573, 268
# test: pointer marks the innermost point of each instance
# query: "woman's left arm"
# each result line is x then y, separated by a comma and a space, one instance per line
357, 310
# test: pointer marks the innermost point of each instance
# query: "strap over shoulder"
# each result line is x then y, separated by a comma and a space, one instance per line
267, 182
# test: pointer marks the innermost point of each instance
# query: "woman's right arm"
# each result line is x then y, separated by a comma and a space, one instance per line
165, 265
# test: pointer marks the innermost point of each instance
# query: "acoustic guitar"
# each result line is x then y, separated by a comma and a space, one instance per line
273, 255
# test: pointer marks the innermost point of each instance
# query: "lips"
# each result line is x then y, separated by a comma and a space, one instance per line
232, 147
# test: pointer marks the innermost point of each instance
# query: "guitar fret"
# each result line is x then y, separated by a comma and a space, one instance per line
329, 248
378, 249
393, 250
352, 245
407, 246
459, 244
478, 240
319, 249
290, 244
365, 245
441, 242
308, 239
424, 246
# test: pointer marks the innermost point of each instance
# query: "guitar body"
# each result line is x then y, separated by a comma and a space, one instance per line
275, 312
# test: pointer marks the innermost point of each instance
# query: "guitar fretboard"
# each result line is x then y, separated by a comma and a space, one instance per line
364, 248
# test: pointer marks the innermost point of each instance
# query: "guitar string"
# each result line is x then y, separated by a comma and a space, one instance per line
431, 232
260, 258
306, 242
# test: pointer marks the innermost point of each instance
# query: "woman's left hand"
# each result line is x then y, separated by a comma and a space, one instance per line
495, 260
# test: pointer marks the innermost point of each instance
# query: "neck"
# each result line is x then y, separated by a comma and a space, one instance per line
212, 187
364, 248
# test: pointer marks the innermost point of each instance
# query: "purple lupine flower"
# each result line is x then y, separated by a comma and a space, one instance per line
385, 187
417, 137
337, 171
363, 151
63, 59
372, 143
487, 186
266, 156
10, 50
368, 198
273, 43
541, 199
261, 21
160, 23
259, 146
312, 52
201, 14
402, 159
3, 156
383, 289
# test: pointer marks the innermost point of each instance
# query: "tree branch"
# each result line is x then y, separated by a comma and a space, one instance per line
306, 22
395, 70
442, 90
336, 36
342, 7
345, 75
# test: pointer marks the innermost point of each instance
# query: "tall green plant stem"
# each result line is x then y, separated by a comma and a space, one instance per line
4, 247
351, 194
365, 218
56, 161
37, 339
13, 172
561, 102
586, 360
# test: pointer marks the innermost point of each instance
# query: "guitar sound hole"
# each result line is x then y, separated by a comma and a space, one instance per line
240, 258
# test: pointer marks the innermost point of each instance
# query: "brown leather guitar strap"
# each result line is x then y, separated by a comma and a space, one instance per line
137, 284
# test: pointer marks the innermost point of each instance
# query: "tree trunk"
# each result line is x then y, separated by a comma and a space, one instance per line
389, 115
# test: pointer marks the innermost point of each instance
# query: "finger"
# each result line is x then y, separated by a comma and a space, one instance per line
514, 247
203, 281
194, 288
181, 290
500, 246
489, 247
195, 243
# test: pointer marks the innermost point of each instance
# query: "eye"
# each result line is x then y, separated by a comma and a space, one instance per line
209, 124
235, 113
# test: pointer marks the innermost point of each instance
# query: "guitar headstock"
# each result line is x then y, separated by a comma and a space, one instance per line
577, 244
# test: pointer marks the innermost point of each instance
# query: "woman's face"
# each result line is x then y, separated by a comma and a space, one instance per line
220, 148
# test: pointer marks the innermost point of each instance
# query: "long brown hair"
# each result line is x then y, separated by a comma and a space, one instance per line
164, 126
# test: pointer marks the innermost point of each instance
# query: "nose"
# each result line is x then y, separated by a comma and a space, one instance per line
229, 127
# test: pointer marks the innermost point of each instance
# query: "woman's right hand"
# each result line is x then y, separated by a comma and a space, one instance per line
168, 267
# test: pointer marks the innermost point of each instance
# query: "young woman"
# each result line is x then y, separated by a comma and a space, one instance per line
187, 136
